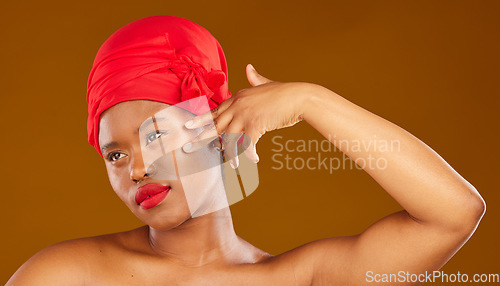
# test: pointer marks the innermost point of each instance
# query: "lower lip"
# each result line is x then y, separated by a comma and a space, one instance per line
153, 201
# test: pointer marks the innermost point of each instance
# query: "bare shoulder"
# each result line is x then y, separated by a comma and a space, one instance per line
63, 263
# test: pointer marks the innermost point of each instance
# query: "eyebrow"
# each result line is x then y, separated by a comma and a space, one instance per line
148, 122
151, 120
108, 145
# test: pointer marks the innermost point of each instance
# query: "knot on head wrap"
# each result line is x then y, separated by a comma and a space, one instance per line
195, 79
160, 58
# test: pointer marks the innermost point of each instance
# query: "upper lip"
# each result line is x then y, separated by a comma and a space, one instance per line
149, 190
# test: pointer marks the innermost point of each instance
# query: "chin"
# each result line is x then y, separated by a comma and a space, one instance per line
165, 219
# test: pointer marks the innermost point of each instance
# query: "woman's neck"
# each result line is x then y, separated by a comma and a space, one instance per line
198, 241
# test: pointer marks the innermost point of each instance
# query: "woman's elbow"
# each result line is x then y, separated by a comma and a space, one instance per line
470, 213
478, 208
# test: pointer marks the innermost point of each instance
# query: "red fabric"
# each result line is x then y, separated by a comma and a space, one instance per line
160, 58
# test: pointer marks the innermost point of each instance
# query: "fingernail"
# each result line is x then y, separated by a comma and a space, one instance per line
231, 163
187, 146
256, 158
189, 123
251, 66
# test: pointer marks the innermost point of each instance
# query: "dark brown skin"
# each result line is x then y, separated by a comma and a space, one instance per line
441, 209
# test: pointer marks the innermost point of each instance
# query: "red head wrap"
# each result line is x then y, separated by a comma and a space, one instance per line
160, 58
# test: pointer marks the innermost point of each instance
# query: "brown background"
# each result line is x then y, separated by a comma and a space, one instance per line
429, 66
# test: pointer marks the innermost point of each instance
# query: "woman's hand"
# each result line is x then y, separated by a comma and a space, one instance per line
266, 106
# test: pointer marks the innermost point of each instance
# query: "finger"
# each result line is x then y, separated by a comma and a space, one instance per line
217, 127
208, 135
254, 78
230, 141
231, 148
210, 131
251, 152
222, 122
209, 116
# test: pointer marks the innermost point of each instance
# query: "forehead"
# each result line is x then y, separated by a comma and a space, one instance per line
132, 109
124, 117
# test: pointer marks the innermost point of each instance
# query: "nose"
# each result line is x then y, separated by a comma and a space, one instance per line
138, 171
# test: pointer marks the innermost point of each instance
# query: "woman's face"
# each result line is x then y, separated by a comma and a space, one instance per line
192, 190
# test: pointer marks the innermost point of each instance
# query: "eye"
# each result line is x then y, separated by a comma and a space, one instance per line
114, 156
153, 136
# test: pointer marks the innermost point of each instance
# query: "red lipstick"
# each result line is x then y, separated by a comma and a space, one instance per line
150, 195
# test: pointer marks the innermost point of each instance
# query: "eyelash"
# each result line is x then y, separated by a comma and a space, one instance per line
111, 154
160, 133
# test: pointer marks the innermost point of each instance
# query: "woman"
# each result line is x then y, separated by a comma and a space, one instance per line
149, 68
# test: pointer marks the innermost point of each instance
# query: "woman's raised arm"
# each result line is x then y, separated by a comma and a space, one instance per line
441, 209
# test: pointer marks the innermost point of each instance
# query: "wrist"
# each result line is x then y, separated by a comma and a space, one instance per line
310, 99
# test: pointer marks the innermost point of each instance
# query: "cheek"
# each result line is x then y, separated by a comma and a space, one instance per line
118, 180
200, 172
203, 163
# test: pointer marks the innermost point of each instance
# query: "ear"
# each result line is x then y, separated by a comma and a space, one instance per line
254, 78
